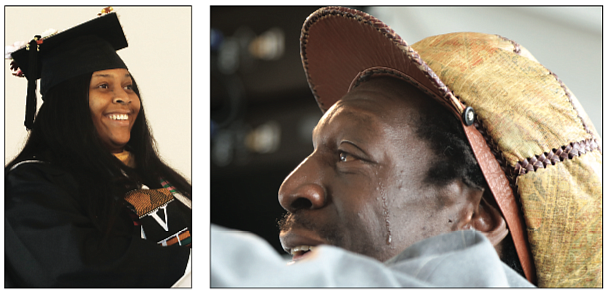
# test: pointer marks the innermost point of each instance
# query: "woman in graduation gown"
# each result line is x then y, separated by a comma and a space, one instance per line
88, 202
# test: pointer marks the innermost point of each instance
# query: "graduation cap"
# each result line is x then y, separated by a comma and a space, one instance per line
86, 48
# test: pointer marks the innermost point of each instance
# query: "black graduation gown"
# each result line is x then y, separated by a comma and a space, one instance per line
50, 242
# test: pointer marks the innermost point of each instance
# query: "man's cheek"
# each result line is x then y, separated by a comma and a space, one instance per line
370, 223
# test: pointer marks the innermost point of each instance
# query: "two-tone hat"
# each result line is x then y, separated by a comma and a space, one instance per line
88, 47
537, 148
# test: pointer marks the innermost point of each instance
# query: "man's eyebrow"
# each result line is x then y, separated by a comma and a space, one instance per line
354, 145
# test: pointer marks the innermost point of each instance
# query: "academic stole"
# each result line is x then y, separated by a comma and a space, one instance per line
158, 214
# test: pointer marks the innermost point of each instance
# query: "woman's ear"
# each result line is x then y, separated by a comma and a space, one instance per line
488, 220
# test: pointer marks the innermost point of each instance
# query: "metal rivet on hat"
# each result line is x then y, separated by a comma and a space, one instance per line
468, 116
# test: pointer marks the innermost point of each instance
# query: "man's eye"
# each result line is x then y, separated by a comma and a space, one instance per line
345, 157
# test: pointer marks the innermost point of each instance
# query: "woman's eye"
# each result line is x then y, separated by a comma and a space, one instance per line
345, 157
128, 87
103, 86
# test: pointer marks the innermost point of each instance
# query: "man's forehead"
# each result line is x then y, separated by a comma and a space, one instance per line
343, 114
362, 106
369, 100
382, 100
366, 115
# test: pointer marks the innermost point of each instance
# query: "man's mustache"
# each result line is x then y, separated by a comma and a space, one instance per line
329, 232
290, 220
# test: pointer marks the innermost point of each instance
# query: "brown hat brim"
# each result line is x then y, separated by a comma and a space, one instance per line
339, 44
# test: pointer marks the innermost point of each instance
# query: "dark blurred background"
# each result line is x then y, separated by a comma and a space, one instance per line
262, 111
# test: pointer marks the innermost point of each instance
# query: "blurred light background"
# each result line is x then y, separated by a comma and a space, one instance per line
262, 111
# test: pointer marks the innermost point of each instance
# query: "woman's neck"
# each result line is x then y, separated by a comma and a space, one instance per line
126, 157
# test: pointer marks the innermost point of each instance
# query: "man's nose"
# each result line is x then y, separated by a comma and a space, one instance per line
303, 188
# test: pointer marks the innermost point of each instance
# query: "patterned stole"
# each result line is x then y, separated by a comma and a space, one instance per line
161, 214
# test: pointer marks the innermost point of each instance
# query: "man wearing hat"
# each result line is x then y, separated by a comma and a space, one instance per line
431, 162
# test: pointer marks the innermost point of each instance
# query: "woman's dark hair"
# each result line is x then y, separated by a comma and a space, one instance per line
63, 134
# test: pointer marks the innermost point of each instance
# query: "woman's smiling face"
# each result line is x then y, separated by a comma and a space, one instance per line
114, 107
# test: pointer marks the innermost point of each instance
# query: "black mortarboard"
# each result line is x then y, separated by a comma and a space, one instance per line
86, 48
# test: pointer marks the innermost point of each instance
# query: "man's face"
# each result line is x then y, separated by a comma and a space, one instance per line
362, 188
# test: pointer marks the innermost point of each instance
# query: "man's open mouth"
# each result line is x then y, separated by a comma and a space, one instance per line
300, 250
299, 242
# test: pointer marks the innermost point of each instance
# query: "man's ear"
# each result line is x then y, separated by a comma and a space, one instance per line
488, 220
